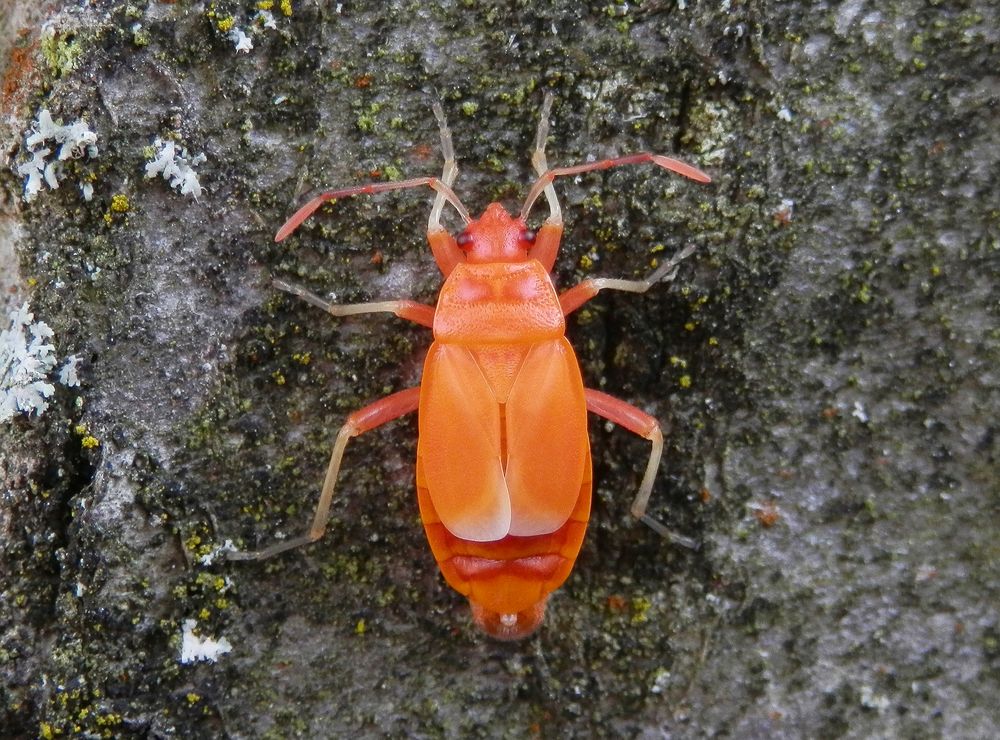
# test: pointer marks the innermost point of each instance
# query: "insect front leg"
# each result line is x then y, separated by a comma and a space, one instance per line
646, 426
363, 420
583, 291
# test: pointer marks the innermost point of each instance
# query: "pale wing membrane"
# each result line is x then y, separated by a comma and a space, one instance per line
459, 446
547, 440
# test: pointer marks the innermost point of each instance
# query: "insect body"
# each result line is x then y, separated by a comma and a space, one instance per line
503, 458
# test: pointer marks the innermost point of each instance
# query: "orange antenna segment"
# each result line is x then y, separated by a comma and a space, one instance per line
667, 163
309, 208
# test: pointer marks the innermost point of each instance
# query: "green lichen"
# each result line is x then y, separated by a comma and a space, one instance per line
61, 51
141, 37
366, 121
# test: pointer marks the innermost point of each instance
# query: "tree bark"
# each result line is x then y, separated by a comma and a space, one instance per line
825, 362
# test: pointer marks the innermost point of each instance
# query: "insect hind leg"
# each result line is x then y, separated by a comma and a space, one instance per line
646, 426
363, 420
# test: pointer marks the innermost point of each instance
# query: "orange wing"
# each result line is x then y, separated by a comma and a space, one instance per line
459, 446
547, 444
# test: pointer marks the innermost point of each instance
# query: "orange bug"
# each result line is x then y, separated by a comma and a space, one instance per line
503, 458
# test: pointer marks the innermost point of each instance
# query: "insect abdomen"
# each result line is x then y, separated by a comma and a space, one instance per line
510, 576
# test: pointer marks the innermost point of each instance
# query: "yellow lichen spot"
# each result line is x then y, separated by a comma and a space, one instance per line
109, 720
286, 7
678, 361
119, 203
226, 24
46, 732
303, 358
640, 609
265, 4
107, 218
278, 377
32, 282
360, 627
90, 442
685, 381
193, 698
586, 262
690, 326
80, 430
935, 270
713, 342
204, 614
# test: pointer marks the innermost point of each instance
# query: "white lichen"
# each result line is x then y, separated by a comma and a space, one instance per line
67, 373
75, 140
871, 700
859, 412
26, 359
177, 168
265, 18
195, 647
217, 552
240, 40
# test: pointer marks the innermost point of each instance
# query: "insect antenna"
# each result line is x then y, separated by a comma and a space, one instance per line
309, 208
667, 163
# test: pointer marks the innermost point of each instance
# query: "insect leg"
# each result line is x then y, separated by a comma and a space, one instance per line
583, 291
419, 313
646, 426
363, 420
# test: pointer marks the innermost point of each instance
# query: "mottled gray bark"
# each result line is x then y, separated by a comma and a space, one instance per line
826, 362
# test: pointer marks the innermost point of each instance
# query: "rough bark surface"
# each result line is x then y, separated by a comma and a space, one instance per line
826, 362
